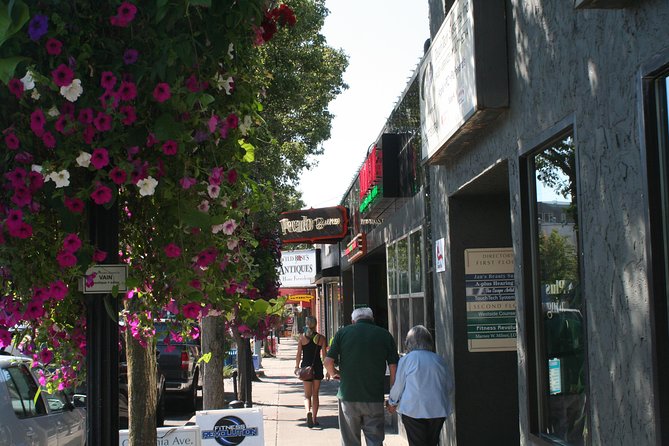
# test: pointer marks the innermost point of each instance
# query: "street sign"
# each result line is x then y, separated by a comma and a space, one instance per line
231, 427
102, 279
168, 436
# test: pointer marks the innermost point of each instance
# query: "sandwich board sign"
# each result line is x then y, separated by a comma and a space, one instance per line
231, 427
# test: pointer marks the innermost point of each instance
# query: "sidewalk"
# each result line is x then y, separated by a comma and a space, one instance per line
280, 394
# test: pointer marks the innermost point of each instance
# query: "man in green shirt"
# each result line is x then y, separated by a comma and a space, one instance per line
362, 351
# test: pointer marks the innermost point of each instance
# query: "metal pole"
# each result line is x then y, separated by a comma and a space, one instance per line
102, 338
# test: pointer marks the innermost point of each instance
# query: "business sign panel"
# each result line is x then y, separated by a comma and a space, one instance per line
463, 78
230, 427
325, 225
491, 299
298, 268
102, 279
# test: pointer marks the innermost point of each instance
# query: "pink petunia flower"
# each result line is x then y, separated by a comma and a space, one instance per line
66, 259
100, 158
48, 140
71, 243
127, 91
187, 182
74, 205
35, 181
162, 92
12, 141
129, 114
229, 227
23, 231
172, 251
85, 116
58, 290
191, 310
232, 176
170, 147
34, 310
53, 47
64, 124
99, 256
232, 121
62, 75
124, 15
14, 218
107, 80
130, 56
196, 284
5, 337
16, 87
102, 122
37, 122
102, 194
118, 175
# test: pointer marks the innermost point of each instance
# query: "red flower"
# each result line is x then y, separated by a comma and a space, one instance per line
232, 121
49, 140
129, 113
124, 15
16, 87
107, 80
85, 116
37, 121
102, 122
54, 47
127, 91
162, 92
62, 75
71, 243
99, 256
102, 194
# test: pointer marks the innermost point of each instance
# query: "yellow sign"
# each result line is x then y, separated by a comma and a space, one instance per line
301, 297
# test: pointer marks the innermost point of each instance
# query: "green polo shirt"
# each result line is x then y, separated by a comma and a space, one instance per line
362, 351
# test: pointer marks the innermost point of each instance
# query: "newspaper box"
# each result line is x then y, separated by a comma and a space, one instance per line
231, 427
168, 436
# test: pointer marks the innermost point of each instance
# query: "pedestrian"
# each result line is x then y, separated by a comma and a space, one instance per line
363, 351
422, 390
311, 347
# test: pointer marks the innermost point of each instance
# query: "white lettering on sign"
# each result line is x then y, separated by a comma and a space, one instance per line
307, 224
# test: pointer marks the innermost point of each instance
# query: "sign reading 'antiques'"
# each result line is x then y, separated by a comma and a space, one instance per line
298, 268
314, 225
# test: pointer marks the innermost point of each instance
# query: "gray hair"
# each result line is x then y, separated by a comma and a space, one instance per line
362, 313
419, 338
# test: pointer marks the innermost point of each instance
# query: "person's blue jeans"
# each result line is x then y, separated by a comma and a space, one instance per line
356, 416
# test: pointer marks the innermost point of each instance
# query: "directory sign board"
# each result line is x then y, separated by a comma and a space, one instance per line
491, 299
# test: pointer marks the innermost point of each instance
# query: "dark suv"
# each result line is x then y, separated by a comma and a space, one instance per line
179, 363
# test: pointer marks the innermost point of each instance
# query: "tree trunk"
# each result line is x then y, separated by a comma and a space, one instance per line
213, 382
142, 392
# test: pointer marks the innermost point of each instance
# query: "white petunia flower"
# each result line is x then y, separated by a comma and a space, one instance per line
229, 227
228, 84
213, 190
232, 244
53, 112
28, 81
147, 186
231, 49
35, 95
217, 228
84, 159
245, 125
72, 91
36, 168
62, 178
203, 206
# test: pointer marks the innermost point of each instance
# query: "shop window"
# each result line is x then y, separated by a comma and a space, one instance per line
406, 297
554, 296
656, 124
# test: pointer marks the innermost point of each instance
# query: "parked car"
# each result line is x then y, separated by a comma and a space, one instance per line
179, 363
29, 418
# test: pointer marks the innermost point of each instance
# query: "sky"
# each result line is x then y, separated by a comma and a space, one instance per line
384, 43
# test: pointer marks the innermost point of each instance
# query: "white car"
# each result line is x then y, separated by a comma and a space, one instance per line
48, 420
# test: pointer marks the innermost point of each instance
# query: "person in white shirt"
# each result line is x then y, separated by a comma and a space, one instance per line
423, 388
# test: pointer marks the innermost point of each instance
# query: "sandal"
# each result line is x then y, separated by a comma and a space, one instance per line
310, 420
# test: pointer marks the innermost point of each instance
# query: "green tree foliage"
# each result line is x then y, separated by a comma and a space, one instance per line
302, 75
558, 258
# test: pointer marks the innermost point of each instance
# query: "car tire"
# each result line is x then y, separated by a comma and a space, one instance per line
191, 395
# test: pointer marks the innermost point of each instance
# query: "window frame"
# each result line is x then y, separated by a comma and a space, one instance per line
654, 109
537, 379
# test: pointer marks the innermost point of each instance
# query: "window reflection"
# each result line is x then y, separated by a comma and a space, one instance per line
562, 351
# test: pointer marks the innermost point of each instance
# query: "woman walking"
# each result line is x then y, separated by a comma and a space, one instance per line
311, 350
422, 390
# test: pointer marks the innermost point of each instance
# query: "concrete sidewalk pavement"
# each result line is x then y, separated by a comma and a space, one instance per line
280, 394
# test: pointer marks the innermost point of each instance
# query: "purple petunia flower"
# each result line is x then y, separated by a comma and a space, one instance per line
38, 26
130, 56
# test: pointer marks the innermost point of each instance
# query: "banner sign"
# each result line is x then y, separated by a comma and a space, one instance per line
230, 427
101, 279
325, 225
298, 268
491, 299
168, 436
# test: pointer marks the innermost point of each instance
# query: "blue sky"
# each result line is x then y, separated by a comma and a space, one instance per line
384, 41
